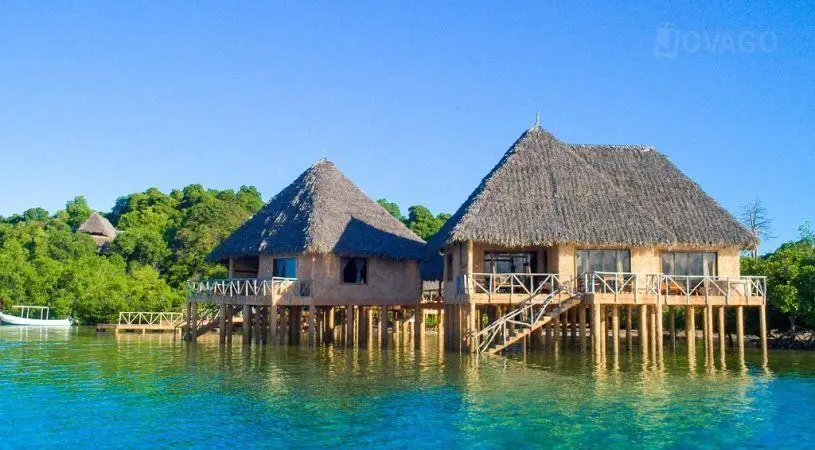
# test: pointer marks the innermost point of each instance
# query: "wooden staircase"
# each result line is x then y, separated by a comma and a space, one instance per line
526, 318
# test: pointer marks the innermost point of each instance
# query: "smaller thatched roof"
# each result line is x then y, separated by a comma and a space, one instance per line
97, 226
322, 212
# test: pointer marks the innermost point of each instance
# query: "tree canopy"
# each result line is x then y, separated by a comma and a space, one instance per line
162, 242
420, 220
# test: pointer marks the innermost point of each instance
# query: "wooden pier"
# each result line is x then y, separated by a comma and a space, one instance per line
143, 322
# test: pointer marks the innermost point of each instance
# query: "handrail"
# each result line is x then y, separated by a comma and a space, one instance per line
525, 314
234, 287
526, 284
150, 318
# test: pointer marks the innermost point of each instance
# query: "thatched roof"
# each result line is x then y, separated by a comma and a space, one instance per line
544, 191
322, 212
97, 226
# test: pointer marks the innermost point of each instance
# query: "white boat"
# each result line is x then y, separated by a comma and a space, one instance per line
25, 318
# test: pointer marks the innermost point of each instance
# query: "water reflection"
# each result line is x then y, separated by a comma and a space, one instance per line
375, 397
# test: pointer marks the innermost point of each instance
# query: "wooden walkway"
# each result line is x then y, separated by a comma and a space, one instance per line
154, 322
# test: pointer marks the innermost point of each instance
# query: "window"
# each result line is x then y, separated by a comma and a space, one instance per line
603, 261
495, 262
449, 267
284, 267
689, 263
354, 270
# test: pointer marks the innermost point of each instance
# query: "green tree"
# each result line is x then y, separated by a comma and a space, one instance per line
77, 211
422, 222
392, 208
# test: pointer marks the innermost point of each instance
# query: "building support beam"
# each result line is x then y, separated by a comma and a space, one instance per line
246, 326
629, 319
643, 331
740, 328
581, 312
615, 329
596, 342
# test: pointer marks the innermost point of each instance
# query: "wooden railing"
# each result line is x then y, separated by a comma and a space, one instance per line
527, 314
616, 283
431, 296
169, 319
232, 287
512, 284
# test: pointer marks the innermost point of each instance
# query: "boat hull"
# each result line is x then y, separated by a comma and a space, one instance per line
6, 319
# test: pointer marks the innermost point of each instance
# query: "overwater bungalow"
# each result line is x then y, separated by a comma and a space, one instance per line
557, 233
320, 257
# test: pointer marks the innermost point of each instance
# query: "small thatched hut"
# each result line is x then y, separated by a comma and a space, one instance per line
99, 228
343, 248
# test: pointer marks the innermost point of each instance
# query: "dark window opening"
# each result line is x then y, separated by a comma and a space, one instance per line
354, 270
284, 267
495, 262
449, 267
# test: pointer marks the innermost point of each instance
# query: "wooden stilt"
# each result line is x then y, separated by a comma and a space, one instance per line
740, 327
652, 330
643, 331
246, 327
383, 325
442, 327
603, 330
722, 335
418, 327
629, 319
672, 325
194, 327
762, 318
564, 327
312, 325
349, 325
555, 332
659, 332
581, 311
274, 322
595, 331
222, 324
615, 329
690, 326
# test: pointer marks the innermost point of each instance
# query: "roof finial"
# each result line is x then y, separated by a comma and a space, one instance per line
537, 117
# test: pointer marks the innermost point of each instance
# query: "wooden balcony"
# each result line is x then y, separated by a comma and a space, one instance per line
508, 288
250, 291
624, 288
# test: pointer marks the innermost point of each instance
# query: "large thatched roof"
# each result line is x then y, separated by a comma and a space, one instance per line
322, 212
96, 225
544, 191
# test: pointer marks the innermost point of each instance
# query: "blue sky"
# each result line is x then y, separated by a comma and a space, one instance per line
415, 104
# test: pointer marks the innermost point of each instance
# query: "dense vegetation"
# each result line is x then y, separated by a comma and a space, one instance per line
790, 272
163, 241
420, 220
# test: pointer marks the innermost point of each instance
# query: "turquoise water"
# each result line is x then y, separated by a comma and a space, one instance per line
77, 389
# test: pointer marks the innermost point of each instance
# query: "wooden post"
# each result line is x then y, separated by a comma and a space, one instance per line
615, 329
722, 335
740, 328
581, 312
329, 325
369, 327
256, 326
441, 327
397, 325
418, 326
274, 321
672, 325
222, 323
555, 331
383, 325
690, 326
312, 325
349, 325
564, 328
643, 331
603, 330
762, 318
629, 319
652, 331
573, 326
595, 331
246, 327
471, 325
194, 327
659, 333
